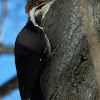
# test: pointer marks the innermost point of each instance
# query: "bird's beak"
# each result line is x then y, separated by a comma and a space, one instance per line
50, 3
46, 7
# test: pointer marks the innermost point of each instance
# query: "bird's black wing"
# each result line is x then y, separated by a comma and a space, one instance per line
29, 59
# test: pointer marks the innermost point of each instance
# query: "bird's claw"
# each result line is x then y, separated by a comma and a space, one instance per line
54, 51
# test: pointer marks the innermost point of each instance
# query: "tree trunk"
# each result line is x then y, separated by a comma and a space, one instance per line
72, 73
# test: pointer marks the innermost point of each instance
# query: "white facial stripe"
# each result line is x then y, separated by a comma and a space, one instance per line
32, 16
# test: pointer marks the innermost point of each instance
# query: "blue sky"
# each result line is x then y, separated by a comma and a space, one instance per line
15, 21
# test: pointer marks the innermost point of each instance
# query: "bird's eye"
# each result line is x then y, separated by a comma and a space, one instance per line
37, 4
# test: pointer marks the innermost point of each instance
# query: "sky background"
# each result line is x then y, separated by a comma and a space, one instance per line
14, 22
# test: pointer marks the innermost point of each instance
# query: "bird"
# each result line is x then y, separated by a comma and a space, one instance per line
32, 49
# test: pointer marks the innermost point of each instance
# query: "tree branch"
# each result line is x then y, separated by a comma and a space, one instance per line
5, 49
8, 87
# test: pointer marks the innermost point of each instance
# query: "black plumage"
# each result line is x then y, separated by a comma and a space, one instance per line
32, 51
30, 57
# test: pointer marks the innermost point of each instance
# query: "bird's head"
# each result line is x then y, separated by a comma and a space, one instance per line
38, 11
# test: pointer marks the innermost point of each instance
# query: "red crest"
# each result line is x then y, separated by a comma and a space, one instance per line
34, 5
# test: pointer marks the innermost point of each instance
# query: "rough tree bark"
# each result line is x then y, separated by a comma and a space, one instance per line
75, 25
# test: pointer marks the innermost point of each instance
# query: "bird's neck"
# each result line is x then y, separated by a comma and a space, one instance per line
36, 21
36, 17
33, 21
31, 26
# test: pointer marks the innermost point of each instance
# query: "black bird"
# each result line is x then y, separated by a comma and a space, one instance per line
32, 48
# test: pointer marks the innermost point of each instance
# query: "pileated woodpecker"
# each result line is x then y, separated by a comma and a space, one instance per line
32, 47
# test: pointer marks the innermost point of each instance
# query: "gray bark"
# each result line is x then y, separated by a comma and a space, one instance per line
71, 74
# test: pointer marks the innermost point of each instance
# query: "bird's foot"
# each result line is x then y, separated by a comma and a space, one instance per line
53, 52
